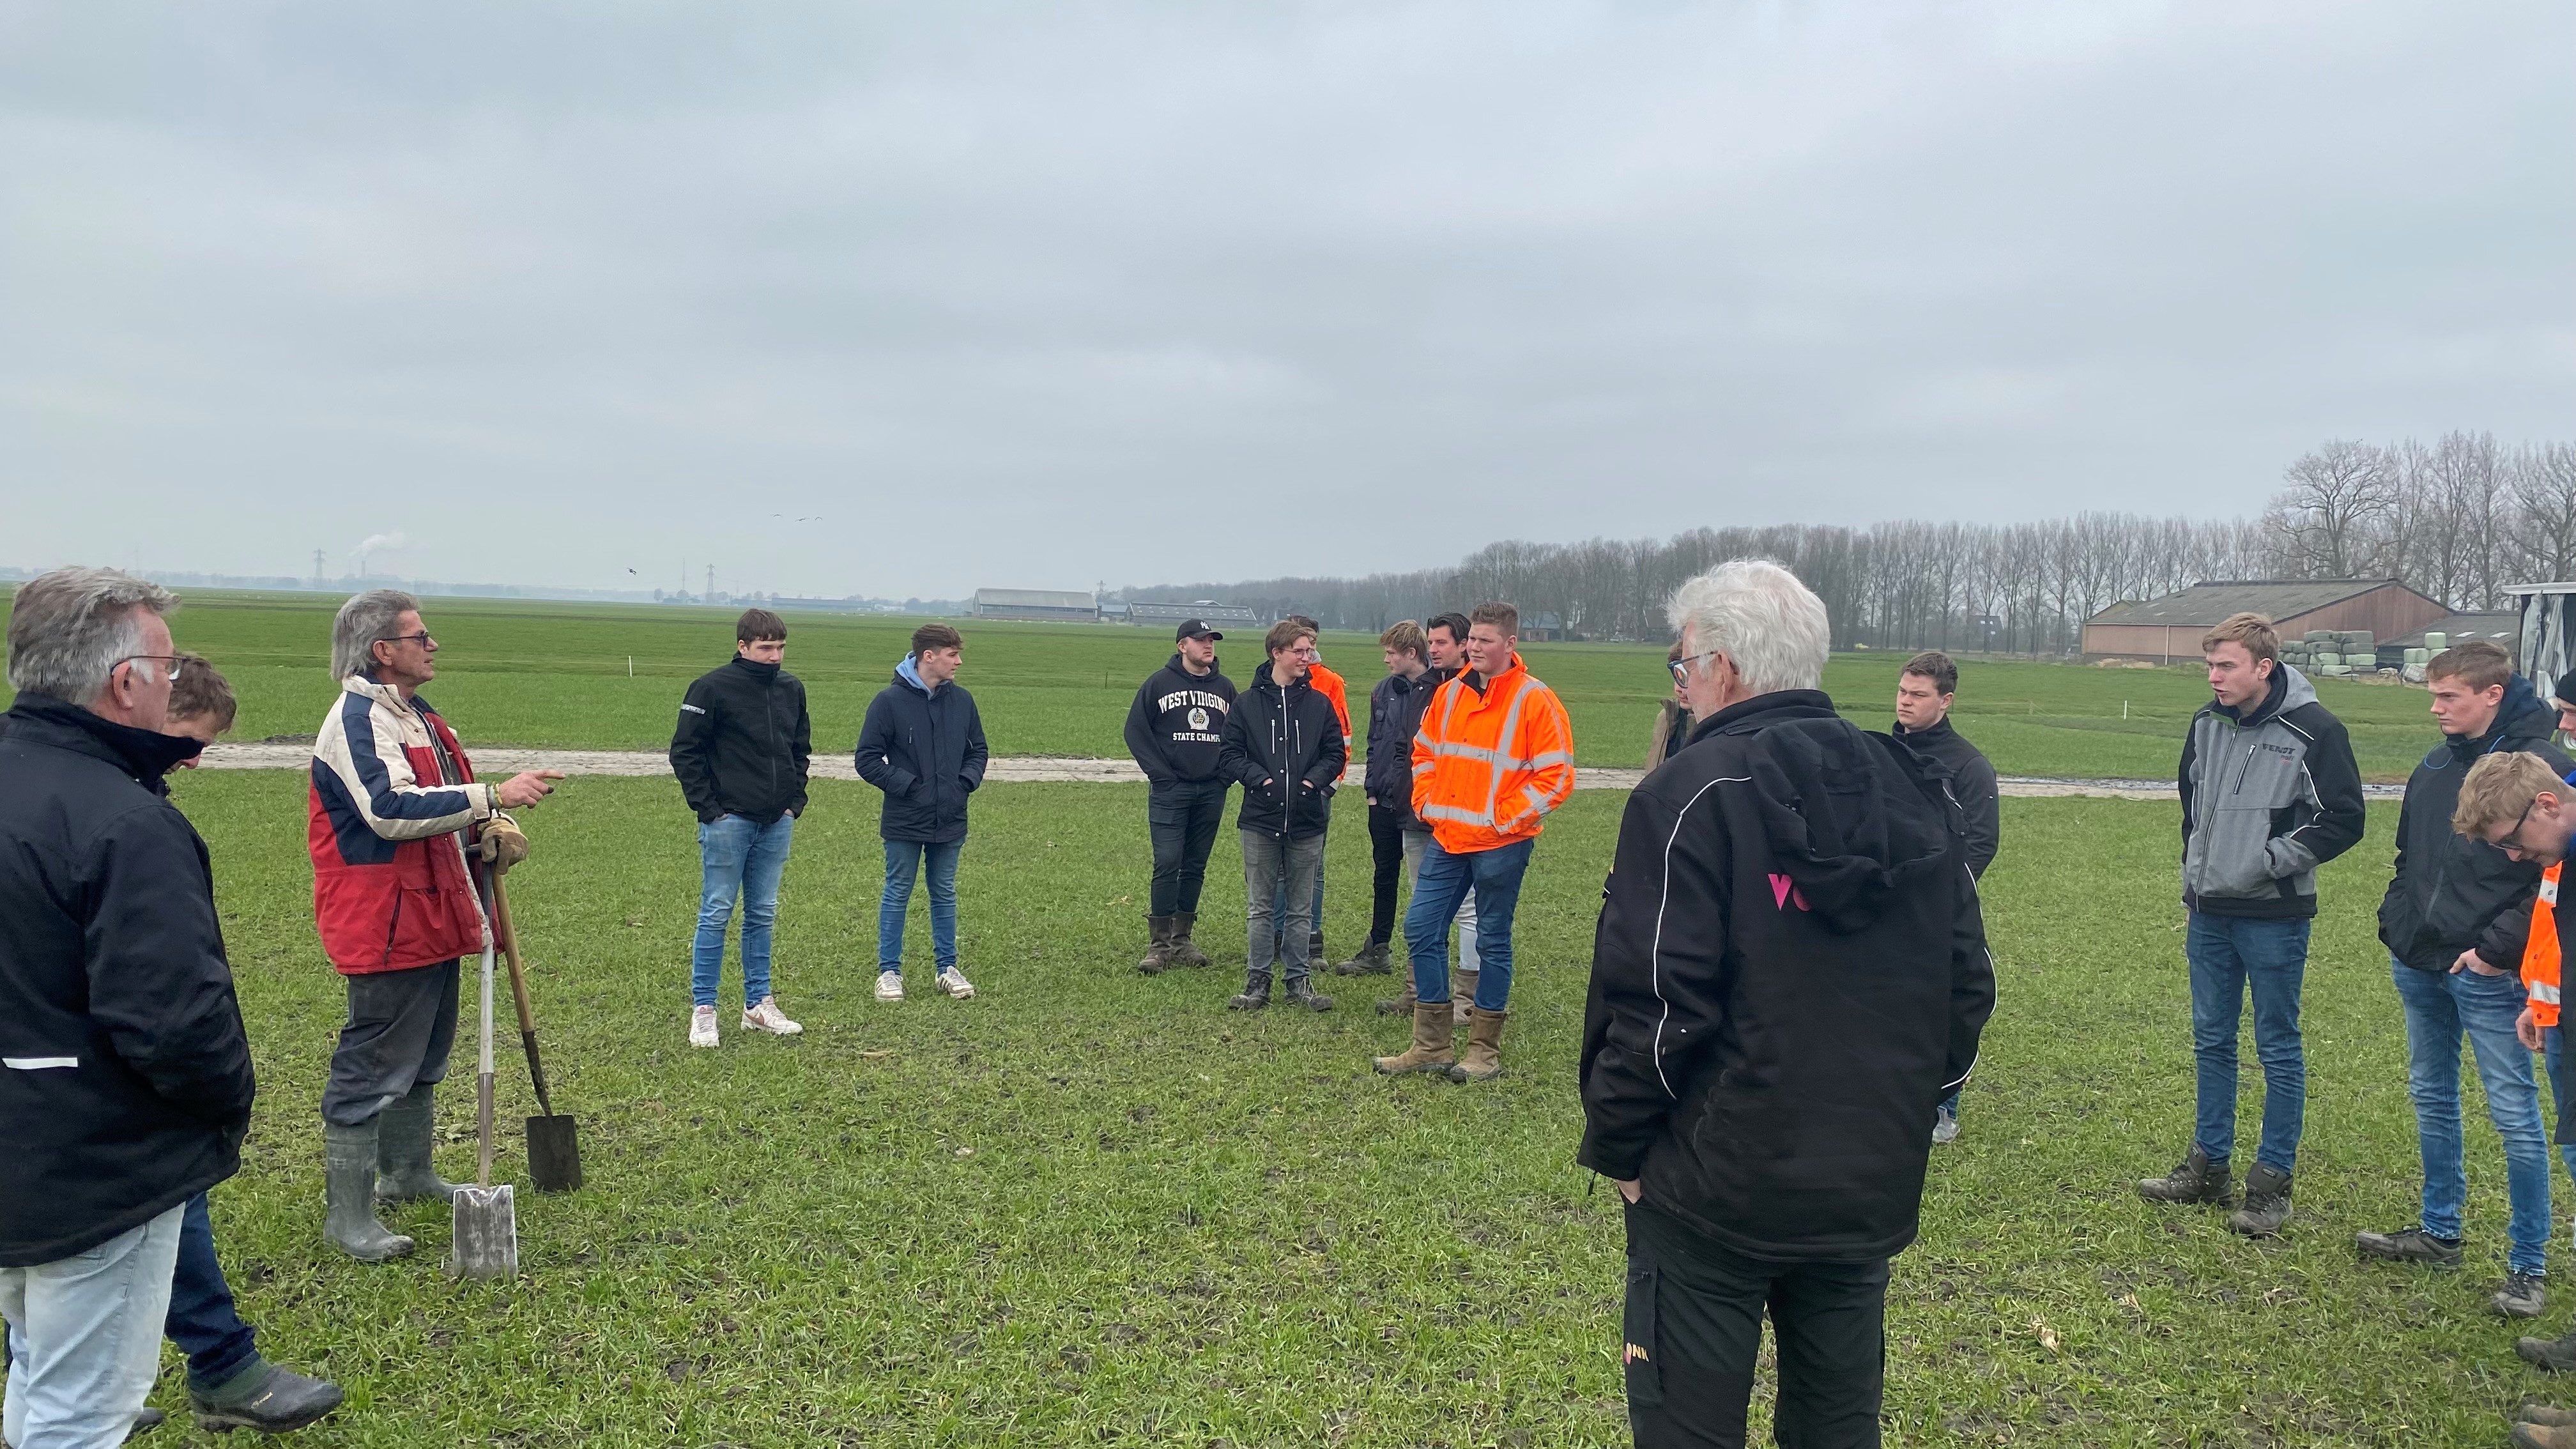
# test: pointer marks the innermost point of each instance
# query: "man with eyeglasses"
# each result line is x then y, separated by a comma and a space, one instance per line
403, 837
2455, 921
2520, 803
125, 1076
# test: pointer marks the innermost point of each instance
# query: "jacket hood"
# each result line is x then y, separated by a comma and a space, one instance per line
2290, 689
1216, 666
909, 672
1261, 679
1848, 819
760, 669
2520, 716
147, 755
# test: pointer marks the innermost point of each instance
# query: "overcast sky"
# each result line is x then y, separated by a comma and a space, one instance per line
1043, 295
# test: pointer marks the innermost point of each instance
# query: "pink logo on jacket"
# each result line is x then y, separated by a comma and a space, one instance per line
1783, 893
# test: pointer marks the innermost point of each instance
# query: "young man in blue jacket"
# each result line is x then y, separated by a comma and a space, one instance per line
923, 745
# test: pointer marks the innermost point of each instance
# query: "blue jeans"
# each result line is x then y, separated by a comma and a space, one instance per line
1273, 869
904, 859
1441, 886
85, 1338
2229, 954
201, 1318
739, 857
2440, 1006
1279, 897
2553, 1050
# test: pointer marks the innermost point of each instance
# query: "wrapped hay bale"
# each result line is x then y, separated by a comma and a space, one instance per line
2435, 642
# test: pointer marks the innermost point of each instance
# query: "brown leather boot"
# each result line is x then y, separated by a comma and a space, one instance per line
1462, 993
1432, 1031
1484, 1059
1158, 954
1401, 1005
1181, 950
2528, 1435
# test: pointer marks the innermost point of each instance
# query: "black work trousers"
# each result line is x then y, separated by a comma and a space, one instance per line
1694, 1327
1182, 818
1386, 861
402, 1025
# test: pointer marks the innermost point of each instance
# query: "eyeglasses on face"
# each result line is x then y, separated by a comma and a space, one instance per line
422, 639
171, 674
1681, 667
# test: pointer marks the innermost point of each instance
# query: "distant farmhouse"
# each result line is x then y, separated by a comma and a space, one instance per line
1169, 616
1052, 604
2170, 628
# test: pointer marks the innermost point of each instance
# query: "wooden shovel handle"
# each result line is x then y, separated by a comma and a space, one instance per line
509, 940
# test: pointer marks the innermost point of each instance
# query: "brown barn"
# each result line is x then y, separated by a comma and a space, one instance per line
2170, 628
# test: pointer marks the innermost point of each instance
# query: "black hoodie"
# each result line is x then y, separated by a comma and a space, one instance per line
2453, 893
1789, 974
1176, 725
1286, 748
1972, 780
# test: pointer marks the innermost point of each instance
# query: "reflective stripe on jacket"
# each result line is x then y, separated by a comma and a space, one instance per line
2540, 954
1487, 768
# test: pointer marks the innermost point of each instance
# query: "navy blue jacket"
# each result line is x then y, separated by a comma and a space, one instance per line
1396, 706
926, 751
125, 1079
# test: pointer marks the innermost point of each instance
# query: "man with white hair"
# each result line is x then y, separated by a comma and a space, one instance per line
1768, 1136
402, 836
125, 1078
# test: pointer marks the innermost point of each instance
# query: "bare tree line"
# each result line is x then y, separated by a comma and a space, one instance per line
2457, 519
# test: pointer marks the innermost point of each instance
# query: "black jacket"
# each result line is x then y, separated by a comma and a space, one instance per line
926, 752
2453, 893
1176, 727
743, 743
1972, 780
1283, 745
125, 1079
1396, 706
1789, 974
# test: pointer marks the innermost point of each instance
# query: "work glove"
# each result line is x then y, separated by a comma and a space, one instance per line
504, 844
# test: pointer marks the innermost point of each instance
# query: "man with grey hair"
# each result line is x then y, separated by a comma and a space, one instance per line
1767, 1137
403, 838
125, 1077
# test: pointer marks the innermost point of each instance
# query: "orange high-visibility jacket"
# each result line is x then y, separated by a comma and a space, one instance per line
2540, 953
1488, 767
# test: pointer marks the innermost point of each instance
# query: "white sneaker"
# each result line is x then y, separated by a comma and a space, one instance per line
889, 986
767, 1017
954, 982
702, 1027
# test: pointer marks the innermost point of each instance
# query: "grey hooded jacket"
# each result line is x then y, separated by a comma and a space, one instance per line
2266, 799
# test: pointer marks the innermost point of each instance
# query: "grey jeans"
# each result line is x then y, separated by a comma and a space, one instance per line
401, 1026
1266, 859
85, 1336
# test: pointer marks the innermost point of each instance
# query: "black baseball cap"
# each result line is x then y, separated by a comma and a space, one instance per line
1193, 629
2566, 697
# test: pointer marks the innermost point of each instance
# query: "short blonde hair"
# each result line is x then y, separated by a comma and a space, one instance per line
2253, 631
1406, 637
2500, 787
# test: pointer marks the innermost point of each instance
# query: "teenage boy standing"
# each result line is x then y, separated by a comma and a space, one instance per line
740, 751
923, 745
2282, 767
1925, 690
1174, 729
1286, 746
1395, 712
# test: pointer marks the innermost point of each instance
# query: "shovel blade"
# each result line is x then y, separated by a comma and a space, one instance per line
487, 1233
554, 1154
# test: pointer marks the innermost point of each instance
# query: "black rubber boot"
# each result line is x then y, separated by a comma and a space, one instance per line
1158, 953
349, 1163
1256, 991
264, 1397
2194, 1179
2267, 1202
404, 1132
1184, 951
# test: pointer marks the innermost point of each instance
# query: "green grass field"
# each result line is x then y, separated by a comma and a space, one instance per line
535, 673
1093, 1208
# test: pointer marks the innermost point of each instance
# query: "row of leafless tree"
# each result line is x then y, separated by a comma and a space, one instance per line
2457, 519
